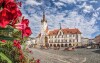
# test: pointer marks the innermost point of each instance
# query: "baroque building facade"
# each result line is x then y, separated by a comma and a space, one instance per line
58, 37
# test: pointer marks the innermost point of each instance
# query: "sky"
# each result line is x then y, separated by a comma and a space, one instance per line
81, 14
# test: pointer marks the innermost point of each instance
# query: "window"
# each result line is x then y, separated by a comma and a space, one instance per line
62, 41
70, 35
66, 40
60, 33
55, 36
69, 40
62, 36
58, 40
55, 40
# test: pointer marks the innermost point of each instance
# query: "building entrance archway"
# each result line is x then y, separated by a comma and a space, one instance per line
65, 45
58, 45
62, 45
54, 45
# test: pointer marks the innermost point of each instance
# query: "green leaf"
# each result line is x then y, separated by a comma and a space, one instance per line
6, 37
4, 57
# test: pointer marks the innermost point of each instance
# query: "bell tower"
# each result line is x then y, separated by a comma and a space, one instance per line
44, 29
43, 24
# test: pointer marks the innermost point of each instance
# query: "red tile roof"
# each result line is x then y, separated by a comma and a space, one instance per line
65, 31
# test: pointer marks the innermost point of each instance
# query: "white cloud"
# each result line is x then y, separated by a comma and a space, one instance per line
88, 8
94, 1
33, 2
58, 4
68, 1
81, 0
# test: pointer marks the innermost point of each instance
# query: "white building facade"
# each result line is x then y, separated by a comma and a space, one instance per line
58, 37
64, 38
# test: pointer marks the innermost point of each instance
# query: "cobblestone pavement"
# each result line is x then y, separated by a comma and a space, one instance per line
52, 56
90, 55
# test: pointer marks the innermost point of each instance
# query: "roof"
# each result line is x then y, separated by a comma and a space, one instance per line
39, 35
97, 36
65, 31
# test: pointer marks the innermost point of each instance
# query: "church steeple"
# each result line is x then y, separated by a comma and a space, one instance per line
43, 17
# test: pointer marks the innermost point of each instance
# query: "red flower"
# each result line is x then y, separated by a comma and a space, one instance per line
19, 14
6, 14
37, 61
3, 41
21, 57
19, 26
27, 32
17, 44
19, 3
7, 1
31, 52
1, 2
3, 22
14, 22
22, 25
25, 22
13, 8
5, 17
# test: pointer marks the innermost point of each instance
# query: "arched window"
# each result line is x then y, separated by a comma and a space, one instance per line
50, 45
54, 45
58, 45
61, 45
65, 45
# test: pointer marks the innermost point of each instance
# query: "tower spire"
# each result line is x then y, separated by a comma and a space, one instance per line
43, 15
60, 25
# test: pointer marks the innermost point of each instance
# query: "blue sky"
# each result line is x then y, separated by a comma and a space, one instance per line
81, 14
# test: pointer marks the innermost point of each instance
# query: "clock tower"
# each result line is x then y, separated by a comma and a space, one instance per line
44, 30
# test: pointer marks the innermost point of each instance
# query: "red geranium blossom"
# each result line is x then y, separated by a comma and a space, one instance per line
6, 14
5, 17
21, 57
25, 22
27, 32
3, 22
37, 61
7, 1
3, 41
1, 1
13, 8
17, 44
